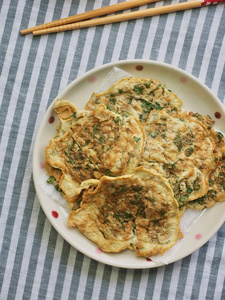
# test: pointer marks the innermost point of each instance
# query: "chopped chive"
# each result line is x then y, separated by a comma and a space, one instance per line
51, 179
137, 139
138, 89
74, 115
189, 151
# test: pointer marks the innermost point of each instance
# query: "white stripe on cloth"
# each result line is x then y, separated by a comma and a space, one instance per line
98, 281
127, 284
181, 38
83, 278
40, 261
6, 9
70, 269
218, 78
158, 283
143, 284
54, 267
195, 41
174, 279
213, 27
207, 267
220, 277
28, 249
191, 274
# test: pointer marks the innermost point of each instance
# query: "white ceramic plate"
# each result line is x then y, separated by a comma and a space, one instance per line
196, 97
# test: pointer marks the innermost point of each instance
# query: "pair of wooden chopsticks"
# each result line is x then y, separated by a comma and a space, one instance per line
73, 22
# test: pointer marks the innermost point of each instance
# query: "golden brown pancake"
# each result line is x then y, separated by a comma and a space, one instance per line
136, 96
184, 150
136, 211
89, 145
93, 159
216, 191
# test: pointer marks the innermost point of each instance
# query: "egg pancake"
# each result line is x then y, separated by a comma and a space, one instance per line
89, 145
136, 96
132, 162
54, 176
64, 109
216, 191
136, 211
184, 149
216, 137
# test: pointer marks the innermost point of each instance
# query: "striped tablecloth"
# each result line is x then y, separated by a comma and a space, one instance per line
35, 261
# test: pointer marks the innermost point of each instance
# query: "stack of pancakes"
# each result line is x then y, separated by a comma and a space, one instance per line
132, 162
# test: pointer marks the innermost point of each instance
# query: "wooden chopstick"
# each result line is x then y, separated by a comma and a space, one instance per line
124, 17
90, 14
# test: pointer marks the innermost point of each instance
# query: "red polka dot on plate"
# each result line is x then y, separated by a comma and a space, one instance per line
42, 165
217, 115
92, 79
99, 251
148, 259
139, 67
51, 119
55, 214
198, 236
183, 79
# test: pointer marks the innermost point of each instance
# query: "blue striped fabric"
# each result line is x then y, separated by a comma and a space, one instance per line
35, 261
